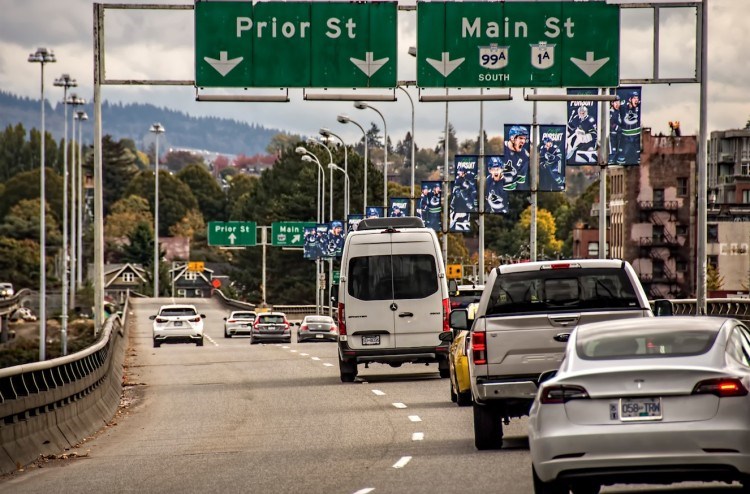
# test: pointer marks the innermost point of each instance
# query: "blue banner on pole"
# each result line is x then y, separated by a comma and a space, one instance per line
398, 207
582, 133
495, 194
551, 162
516, 156
430, 205
375, 212
352, 221
464, 198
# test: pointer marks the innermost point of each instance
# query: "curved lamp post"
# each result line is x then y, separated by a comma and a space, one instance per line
361, 105
327, 134
412, 198
344, 119
157, 129
74, 101
42, 56
81, 116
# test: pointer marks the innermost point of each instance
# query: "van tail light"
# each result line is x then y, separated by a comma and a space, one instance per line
562, 394
342, 319
479, 347
723, 387
446, 314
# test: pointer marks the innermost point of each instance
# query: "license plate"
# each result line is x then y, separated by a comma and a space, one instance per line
371, 340
318, 335
178, 323
630, 410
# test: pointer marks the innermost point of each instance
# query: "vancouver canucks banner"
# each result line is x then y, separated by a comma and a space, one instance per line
495, 194
321, 240
430, 205
398, 207
625, 127
310, 246
335, 239
375, 212
582, 133
551, 163
464, 197
516, 156
352, 221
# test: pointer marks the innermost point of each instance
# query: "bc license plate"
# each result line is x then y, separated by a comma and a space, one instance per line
178, 323
318, 335
371, 340
639, 409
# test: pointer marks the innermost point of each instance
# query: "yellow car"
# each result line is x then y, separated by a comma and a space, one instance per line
459, 364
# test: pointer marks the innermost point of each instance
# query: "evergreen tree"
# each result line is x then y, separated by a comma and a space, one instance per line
118, 170
211, 199
140, 249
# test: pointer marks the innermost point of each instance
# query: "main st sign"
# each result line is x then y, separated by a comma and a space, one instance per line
517, 44
295, 44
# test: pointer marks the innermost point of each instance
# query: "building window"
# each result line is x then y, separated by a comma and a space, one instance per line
746, 196
593, 249
659, 198
745, 168
712, 233
682, 230
128, 277
181, 292
191, 275
682, 186
682, 266
713, 261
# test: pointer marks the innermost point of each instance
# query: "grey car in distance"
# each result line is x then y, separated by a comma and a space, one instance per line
320, 328
650, 400
239, 322
271, 326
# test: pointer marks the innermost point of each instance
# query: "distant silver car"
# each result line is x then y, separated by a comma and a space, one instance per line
6, 290
271, 326
650, 400
239, 322
320, 328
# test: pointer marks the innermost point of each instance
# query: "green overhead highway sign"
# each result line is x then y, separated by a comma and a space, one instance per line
295, 44
232, 233
518, 44
289, 233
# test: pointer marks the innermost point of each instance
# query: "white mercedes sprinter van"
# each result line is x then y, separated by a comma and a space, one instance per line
393, 296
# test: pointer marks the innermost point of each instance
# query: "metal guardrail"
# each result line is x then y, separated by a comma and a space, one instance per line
738, 308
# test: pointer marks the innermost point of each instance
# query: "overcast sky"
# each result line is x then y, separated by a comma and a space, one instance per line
158, 44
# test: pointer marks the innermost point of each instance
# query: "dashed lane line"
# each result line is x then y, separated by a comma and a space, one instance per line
401, 463
417, 436
415, 418
399, 405
378, 392
211, 340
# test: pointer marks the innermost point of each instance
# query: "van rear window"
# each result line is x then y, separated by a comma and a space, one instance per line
392, 277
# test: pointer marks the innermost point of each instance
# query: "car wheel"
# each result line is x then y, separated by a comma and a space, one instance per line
585, 488
745, 483
199, 342
488, 428
445, 369
252, 340
157, 344
464, 399
546, 487
348, 370
454, 396
226, 334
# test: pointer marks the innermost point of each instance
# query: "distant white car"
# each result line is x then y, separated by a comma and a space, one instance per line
239, 322
178, 323
649, 400
6, 290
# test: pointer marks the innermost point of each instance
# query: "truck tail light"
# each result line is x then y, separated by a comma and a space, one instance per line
722, 387
342, 319
446, 314
562, 394
479, 347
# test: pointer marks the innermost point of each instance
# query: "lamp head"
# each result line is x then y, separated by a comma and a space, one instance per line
81, 115
157, 128
65, 81
42, 55
360, 105
307, 158
343, 119
325, 132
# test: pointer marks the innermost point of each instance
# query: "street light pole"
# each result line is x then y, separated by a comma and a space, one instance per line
82, 117
157, 129
362, 105
412, 198
73, 101
309, 157
345, 119
65, 81
42, 56
327, 133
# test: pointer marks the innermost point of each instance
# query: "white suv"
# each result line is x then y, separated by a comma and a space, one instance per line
178, 324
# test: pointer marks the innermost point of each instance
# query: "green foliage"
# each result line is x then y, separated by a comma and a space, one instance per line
119, 169
211, 199
140, 248
714, 281
25, 185
175, 198
125, 216
22, 222
19, 261
177, 161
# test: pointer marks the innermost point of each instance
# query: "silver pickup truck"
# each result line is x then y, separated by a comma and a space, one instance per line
523, 322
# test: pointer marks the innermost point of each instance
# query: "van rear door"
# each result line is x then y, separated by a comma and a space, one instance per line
369, 293
417, 296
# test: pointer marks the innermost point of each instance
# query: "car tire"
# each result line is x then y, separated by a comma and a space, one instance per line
226, 335
454, 396
157, 344
199, 342
445, 369
585, 488
348, 370
488, 428
541, 487
252, 340
464, 399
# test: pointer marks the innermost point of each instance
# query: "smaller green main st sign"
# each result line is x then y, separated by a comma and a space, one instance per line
289, 233
232, 233
518, 44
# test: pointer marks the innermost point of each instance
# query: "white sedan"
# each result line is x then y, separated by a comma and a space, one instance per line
239, 322
655, 400
178, 323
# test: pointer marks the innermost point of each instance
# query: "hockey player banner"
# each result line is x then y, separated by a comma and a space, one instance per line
375, 212
352, 221
516, 156
582, 132
496, 196
321, 241
625, 127
463, 199
398, 207
551, 162
430, 205
336, 237
310, 246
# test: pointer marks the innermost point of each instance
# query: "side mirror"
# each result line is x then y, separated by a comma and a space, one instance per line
459, 319
452, 287
335, 294
152, 317
225, 318
203, 316
446, 336
663, 307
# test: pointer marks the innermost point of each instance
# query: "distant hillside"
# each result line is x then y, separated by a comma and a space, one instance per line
131, 121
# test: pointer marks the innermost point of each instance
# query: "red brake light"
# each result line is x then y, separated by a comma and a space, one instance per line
722, 387
478, 347
160, 319
342, 319
562, 394
197, 319
231, 320
303, 327
446, 314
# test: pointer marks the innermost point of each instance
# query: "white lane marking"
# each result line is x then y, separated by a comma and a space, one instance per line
314, 358
417, 436
327, 364
304, 354
378, 392
402, 462
293, 351
285, 346
399, 405
415, 418
366, 490
210, 339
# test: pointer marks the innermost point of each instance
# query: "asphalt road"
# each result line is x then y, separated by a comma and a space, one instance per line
275, 418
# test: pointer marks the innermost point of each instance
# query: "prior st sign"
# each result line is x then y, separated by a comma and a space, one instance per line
518, 44
295, 44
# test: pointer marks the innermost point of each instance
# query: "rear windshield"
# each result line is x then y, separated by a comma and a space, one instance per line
554, 290
406, 276
319, 319
644, 344
244, 315
180, 311
465, 298
271, 319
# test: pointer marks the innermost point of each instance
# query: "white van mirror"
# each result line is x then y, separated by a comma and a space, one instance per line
459, 319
